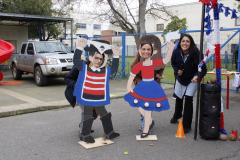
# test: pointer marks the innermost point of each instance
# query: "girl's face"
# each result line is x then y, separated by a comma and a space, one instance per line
185, 44
146, 51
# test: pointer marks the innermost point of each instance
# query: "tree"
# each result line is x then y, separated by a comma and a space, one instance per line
174, 25
39, 7
132, 17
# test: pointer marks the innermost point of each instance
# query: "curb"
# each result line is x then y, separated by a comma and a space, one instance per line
38, 109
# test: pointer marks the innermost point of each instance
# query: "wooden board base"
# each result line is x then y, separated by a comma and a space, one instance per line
99, 142
148, 138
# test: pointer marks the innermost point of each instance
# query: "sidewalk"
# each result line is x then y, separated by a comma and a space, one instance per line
28, 97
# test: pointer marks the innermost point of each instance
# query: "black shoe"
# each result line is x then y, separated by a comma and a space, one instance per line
187, 130
87, 138
174, 120
144, 135
151, 126
108, 127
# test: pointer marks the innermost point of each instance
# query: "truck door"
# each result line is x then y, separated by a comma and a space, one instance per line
20, 57
29, 59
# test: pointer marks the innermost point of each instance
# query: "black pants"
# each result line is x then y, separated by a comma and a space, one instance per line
187, 113
88, 111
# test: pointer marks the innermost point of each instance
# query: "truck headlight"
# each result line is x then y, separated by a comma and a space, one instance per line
51, 61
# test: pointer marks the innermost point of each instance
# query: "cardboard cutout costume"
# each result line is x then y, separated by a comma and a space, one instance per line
92, 87
148, 95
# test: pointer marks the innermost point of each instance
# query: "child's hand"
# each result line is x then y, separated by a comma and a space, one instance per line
116, 50
170, 47
82, 42
159, 76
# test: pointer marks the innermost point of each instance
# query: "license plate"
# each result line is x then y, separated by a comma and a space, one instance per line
69, 67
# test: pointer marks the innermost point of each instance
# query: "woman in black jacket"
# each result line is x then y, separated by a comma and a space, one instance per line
185, 60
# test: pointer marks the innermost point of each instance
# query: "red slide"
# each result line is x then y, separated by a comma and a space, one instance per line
6, 50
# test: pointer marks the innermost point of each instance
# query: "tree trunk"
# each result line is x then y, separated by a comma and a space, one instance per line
141, 19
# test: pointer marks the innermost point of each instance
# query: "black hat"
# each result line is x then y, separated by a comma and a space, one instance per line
94, 48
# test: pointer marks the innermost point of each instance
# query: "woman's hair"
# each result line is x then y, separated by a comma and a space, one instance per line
142, 44
193, 51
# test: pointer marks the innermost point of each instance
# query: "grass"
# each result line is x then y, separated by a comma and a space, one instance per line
169, 74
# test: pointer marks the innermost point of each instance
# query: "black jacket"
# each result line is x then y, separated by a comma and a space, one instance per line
188, 72
235, 56
71, 79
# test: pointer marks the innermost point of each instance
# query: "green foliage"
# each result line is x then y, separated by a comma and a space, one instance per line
34, 7
174, 25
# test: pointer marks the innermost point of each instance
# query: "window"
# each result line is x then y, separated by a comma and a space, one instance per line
160, 27
96, 26
237, 21
119, 33
23, 48
81, 25
81, 35
96, 36
30, 49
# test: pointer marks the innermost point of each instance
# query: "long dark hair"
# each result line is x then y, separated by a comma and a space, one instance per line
193, 51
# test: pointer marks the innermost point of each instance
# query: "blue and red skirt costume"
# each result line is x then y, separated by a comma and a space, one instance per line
148, 95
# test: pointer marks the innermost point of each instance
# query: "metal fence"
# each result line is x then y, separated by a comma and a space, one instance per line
229, 38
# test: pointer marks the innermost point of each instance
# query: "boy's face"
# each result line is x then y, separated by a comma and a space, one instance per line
96, 60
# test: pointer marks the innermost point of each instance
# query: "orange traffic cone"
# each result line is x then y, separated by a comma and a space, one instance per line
180, 130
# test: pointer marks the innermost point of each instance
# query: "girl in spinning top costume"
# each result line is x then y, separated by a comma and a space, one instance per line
148, 95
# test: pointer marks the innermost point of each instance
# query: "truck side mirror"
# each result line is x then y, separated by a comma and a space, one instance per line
30, 52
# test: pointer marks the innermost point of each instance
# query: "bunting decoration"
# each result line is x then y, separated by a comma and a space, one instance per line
219, 8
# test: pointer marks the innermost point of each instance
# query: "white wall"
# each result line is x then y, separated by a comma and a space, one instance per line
15, 35
83, 18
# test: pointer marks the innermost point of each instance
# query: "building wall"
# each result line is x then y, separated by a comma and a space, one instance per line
89, 30
15, 35
106, 33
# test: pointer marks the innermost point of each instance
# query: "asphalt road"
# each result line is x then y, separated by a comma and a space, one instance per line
53, 135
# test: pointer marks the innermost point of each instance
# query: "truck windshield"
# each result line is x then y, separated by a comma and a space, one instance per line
50, 47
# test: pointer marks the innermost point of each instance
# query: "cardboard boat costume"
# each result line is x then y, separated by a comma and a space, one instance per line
92, 89
148, 94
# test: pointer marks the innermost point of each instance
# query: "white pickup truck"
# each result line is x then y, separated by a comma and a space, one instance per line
43, 59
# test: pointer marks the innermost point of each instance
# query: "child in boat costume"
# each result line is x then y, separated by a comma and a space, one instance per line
92, 87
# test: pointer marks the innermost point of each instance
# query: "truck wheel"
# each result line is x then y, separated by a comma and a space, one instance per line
40, 79
17, 74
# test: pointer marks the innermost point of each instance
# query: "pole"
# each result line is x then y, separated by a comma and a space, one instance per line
71, 35
123, 54
199, 69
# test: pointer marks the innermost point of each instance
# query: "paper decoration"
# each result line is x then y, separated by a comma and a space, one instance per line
236, 80
172, 35
100, 46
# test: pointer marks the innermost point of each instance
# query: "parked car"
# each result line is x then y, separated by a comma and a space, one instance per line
43, 59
